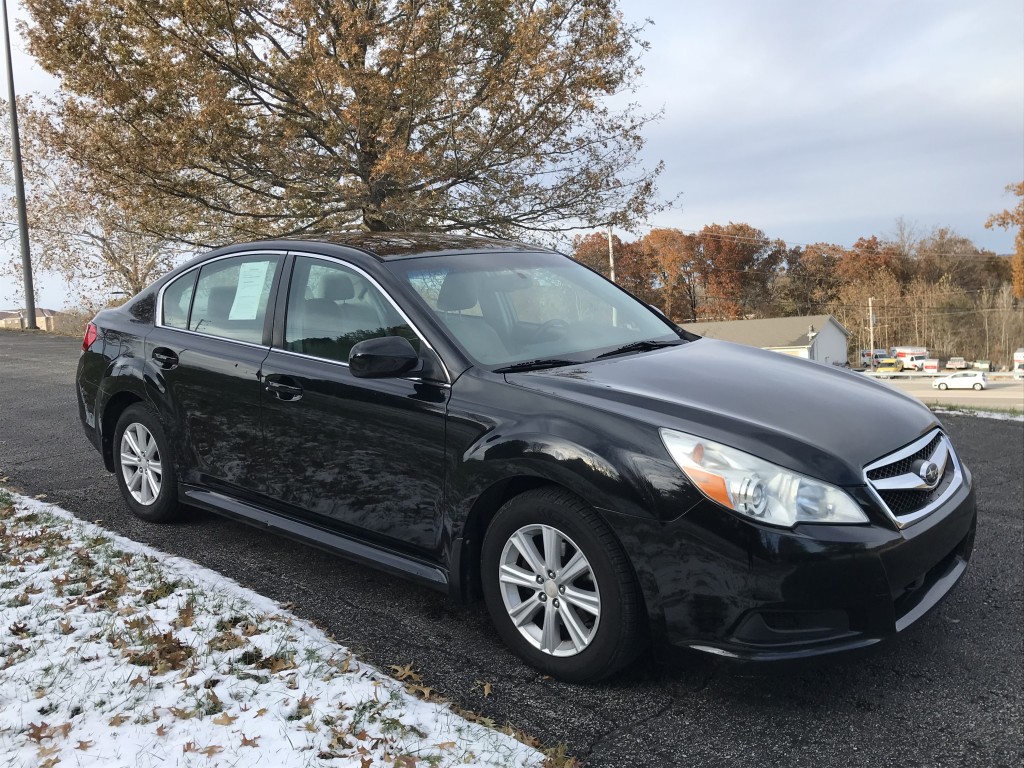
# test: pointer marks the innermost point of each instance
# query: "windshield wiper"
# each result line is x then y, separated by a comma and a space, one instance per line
536, 365
641, 346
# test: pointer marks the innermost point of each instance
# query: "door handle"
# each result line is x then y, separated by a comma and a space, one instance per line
165, 358
282, 391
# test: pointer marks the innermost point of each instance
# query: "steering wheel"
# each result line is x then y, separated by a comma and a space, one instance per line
548, 328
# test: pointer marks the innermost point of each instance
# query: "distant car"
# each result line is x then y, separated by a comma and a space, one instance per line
957, 364
962, 380
1018, 371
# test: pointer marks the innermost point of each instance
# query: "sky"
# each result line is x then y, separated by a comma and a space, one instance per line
814, 122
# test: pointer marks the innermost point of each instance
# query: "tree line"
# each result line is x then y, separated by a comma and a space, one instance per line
938, 290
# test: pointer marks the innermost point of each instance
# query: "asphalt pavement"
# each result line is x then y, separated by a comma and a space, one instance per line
948, 692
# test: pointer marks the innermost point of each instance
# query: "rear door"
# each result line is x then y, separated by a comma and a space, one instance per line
211, 337
364, 456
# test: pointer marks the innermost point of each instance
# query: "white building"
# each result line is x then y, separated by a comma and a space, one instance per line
820, 338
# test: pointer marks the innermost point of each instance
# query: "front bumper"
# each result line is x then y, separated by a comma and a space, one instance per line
722, 585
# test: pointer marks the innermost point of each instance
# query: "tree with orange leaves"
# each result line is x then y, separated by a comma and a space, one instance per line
1008, 219
298, 117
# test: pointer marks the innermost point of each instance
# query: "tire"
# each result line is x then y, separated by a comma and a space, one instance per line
943, 386
143, 465
977, 387
593, 614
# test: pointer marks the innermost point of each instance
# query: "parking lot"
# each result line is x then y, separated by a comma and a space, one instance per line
948, 692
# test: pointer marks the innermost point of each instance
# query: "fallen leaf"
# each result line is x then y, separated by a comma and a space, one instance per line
406, 672
365, 762
84, 745
261, 712
189, 746
63, 730
212, 750
38, 731
247, 742
423, 691
446, 745
117, 720
161, 730
47, 751
224, 719
137, 680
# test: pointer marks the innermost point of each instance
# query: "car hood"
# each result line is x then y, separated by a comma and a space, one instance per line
812, 418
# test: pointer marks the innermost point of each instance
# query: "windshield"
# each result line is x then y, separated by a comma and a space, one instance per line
513, 308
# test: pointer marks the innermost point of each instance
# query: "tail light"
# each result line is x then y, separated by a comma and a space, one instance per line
90, 336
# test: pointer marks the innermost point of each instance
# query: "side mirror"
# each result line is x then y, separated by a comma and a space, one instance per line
385, 357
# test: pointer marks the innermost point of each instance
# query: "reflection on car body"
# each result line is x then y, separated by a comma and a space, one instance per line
494, 419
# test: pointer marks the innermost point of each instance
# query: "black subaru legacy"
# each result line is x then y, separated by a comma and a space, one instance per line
488, 417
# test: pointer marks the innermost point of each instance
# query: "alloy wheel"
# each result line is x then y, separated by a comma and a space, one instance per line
140, 464
549, 590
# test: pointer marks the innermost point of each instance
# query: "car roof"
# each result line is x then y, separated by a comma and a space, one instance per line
403, 245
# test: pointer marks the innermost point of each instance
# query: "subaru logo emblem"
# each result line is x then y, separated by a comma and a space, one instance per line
929, 472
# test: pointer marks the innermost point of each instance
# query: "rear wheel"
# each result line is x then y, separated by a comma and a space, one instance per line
559, 588
145, 471
977, 387
943, 385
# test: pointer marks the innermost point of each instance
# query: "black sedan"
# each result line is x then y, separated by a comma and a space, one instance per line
492, 418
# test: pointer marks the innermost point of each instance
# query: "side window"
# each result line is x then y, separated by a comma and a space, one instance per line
177, 300
231, 297
331, 308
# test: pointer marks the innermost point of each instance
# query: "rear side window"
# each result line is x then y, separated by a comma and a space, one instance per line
231, 297
177, 300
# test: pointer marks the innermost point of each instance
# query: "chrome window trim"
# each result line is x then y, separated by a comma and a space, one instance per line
343, 364
158, 319
903, 453
349, 265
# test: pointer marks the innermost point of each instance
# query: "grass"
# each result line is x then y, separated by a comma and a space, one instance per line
121, 650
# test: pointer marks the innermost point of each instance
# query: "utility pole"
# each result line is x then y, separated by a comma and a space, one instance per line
871, 328
19, 183
611, 251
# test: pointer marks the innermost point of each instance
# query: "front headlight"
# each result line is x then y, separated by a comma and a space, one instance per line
756, 488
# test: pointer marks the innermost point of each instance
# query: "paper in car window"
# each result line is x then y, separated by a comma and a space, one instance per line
251, 278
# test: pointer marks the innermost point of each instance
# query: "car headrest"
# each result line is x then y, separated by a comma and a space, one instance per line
338, 288
458, 291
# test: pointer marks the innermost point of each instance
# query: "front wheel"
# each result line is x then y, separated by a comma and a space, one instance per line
145, 470
559, 588
977, 387
943, 386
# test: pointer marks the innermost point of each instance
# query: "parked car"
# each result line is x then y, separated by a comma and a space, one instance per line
957, 364
890, 365
1018, 371
962, 380
983, 365
491, 418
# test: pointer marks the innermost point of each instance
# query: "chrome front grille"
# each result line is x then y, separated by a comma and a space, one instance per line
914, 481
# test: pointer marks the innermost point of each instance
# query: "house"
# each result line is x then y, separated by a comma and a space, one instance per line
820, 338
15, 318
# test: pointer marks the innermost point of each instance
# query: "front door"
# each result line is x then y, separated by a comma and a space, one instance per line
364, 456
